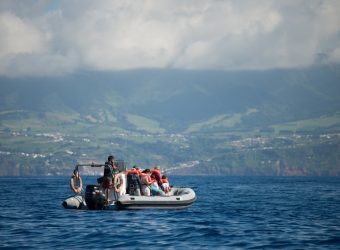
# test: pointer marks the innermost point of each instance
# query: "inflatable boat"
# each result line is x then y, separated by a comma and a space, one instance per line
94, 198
178, 198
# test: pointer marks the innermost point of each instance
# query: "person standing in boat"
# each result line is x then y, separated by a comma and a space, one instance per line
112, 164
109, 169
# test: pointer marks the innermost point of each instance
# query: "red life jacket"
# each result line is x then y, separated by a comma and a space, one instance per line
133, 171
157, 175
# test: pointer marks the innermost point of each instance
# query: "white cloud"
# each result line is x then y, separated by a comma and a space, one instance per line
50, 38
18, 36
25, 49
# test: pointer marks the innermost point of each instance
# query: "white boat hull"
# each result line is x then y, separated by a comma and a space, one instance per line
178, 198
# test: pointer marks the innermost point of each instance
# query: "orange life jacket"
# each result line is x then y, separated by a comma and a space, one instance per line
134, 171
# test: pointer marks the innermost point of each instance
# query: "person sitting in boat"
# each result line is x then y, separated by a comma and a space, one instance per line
76, 188
146, 182
137, 169
165, 184
120, 183
133, 181
156, 171
155, 188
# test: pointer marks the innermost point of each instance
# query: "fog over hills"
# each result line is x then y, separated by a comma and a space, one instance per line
277, 122
178, 98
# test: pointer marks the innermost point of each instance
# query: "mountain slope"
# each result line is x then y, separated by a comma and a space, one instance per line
278, 122
177, 99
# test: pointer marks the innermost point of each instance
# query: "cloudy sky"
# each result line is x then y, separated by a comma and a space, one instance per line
41, 37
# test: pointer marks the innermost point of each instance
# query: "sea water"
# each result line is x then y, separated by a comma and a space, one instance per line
230, 213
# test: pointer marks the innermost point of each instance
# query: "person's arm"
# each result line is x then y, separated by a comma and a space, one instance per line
148, 180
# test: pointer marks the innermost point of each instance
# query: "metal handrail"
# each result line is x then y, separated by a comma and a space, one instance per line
120, 164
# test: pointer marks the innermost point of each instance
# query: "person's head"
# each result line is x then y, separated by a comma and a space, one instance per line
157, 168
164, 176
111, 158
146, 171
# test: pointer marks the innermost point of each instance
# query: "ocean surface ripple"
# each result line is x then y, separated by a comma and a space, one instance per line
230, 213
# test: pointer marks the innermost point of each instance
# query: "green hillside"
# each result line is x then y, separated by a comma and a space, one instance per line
218, 122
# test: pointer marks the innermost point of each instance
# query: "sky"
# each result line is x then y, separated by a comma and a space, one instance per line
50, 38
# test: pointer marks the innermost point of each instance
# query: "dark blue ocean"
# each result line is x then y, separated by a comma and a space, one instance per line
230, 213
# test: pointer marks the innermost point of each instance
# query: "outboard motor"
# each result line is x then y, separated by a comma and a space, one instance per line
94, 197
